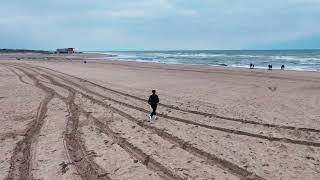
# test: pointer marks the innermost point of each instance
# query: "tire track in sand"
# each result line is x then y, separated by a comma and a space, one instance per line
134, 151
210, 158
18, 75
188, 111
20, 163
86, 168
226, 130
137, 153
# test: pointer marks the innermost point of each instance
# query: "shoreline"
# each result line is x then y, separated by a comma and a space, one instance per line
207, 66
114, 57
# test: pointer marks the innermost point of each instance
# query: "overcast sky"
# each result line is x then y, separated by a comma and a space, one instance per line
160, 24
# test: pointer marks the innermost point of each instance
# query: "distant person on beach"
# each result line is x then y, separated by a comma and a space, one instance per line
282, 67
270, 67
251, 65
153, 101
85, 62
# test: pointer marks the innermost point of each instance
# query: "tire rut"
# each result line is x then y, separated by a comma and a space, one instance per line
137, 153
210, 158
18, 75
134, 151
188, 111
86, 168
20, 163
226, 130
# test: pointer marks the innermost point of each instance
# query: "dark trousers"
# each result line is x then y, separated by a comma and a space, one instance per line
154, 109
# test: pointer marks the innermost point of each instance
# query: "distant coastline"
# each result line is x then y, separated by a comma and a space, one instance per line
24, 51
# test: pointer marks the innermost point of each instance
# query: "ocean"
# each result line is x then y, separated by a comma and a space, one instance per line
305, 60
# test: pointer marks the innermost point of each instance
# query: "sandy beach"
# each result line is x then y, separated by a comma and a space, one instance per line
63, 119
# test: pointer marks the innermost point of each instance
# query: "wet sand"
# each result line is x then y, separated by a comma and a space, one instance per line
63, 119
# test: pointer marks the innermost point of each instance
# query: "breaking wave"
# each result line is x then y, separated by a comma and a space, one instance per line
305, 60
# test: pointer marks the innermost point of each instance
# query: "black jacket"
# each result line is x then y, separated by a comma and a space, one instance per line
153, 99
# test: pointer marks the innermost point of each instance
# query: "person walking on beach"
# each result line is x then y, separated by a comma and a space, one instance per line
153, 101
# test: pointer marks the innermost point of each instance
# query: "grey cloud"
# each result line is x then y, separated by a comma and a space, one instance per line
165, 24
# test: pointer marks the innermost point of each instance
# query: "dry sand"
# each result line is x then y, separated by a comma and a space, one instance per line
69, 120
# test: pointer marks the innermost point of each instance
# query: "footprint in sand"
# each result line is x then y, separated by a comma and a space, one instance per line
273, 89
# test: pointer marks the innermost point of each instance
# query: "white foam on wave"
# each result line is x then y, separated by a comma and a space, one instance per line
248, 56
296, 58
202, 55
292, 62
